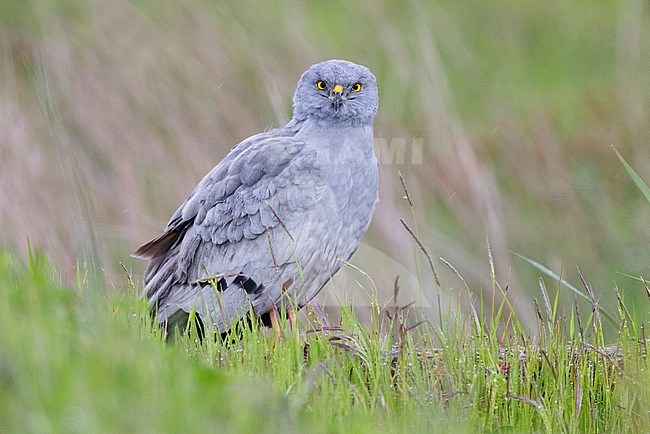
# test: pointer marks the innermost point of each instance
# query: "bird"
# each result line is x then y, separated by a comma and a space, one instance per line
266, 229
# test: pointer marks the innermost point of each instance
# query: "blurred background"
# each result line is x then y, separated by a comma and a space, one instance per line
500, 115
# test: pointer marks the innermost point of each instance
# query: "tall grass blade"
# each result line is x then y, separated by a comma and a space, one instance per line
635, 176
555, 276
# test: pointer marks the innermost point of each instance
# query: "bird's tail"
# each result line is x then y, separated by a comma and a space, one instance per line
160, 274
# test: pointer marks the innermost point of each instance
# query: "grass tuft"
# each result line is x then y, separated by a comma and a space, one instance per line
70, 362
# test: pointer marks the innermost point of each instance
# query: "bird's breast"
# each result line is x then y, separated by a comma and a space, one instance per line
348, 166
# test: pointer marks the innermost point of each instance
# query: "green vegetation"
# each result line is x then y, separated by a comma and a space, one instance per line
79, 362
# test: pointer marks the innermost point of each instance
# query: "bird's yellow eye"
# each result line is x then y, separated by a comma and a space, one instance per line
320, 85
356, 87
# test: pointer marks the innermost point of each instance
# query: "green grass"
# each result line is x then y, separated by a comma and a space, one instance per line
78, 361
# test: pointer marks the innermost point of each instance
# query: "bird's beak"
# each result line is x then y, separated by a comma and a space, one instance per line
337, 96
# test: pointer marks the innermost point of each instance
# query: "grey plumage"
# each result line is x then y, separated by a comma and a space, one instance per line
275, 219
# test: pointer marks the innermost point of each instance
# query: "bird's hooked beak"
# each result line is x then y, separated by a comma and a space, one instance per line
337, 96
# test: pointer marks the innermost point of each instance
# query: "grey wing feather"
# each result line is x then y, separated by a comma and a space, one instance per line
237, 222
219, 183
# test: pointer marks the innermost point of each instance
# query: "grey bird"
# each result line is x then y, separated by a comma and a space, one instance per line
268, 227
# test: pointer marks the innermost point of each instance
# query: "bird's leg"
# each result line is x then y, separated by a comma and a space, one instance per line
291, 314
275, 321
292, 319
293, 323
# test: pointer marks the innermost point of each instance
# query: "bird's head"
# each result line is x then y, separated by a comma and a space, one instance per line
336, 92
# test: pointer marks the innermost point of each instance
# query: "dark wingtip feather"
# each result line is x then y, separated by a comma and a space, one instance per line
158, 245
